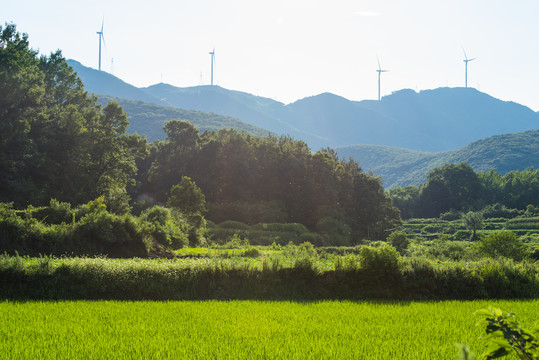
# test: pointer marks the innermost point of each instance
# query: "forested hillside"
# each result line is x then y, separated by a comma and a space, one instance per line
149, 118
401, 167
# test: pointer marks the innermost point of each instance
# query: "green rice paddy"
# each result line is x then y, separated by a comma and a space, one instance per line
245, 329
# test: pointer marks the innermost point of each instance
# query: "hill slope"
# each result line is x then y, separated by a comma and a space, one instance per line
148, 118
398, 166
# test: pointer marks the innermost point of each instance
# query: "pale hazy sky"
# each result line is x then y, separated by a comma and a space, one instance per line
288, 49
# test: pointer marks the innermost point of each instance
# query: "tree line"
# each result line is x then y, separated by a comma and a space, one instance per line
458, 187
58, 142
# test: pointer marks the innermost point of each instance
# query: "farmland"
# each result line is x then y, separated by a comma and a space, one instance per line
245, 329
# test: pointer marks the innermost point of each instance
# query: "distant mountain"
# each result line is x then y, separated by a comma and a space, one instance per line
148, 118
451, 117
398, 166
431, 120
103, 83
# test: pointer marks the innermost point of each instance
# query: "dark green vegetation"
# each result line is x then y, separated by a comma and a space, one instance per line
58, 142
431, 120
457, 187
401, 167
244, 329
252, 180
148, 119
55, 140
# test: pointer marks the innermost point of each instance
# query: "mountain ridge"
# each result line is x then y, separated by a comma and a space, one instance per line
401, 167
430, 120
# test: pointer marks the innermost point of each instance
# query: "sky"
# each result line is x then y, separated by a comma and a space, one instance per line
290, 49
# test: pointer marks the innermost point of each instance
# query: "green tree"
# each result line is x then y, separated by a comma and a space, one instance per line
449, 187
187, 197
502, 244
473, 221
55, 140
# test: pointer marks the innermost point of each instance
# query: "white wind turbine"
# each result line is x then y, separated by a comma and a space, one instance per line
212, 53
379, 72
466, 61
101, 37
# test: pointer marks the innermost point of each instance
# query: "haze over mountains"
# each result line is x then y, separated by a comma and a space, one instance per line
401, 137
431, 120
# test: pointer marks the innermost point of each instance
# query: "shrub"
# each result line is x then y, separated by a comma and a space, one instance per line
499, 211
235, 225
251, 252
335, 231
399, 240
502, 244
164, 226
56, 213
380, 263
451, 215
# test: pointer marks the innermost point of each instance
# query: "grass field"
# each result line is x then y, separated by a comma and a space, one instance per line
244, 329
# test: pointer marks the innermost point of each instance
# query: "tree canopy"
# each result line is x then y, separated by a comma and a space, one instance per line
56, 140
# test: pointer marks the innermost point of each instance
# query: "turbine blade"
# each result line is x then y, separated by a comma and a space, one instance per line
466, 57
379, 67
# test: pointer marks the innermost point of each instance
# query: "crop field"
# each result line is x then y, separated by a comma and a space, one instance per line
245, 329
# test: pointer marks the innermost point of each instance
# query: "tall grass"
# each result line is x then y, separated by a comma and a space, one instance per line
375, 273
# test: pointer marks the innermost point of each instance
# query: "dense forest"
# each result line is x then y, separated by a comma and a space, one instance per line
457, 187
58, 142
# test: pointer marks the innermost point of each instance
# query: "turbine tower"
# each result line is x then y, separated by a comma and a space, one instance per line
466, 61
212, 53
379, 72
101, 37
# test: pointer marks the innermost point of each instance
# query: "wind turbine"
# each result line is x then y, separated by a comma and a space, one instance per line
212, 53
466, 61
379, 72
101, 37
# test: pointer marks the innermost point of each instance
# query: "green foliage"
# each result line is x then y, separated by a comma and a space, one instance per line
399, 240
502, 244
381, 265
236, 225
473, 221
165, 227
251, 212
458, 187
187, 197
267, 180
505, 336
304, 250
55, 140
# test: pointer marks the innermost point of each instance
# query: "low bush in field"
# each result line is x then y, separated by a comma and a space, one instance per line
88, 230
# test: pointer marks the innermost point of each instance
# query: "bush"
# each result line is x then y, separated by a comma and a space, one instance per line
251, 252
235, 225
335, 231
502, 244
381, 264
451, 215
165, 227
56, 213
499, 211
399, 240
